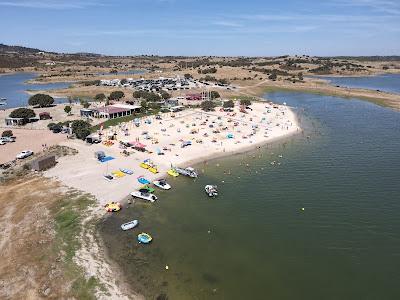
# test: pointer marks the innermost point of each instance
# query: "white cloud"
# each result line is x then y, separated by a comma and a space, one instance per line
381, 6
227, 24
51, 4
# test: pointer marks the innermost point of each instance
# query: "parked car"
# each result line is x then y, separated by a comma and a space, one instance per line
24, 154
2, 142
8, 139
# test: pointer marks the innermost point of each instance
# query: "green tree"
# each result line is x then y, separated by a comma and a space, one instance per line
207, 105
41, 100
300, 75
117, 95
188, 76
165, 95
143, 105
7, 133
100, 97
86, 104
81, 129
24, 113
138, 94
228, 104
152, 97
68, 109
245, 102
215, 95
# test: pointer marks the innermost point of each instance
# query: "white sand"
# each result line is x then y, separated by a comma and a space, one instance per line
84, 172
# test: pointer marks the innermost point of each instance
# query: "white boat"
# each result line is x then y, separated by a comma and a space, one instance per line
129, 225
144, 196
162, 184
3, 101
211, 190
189, 171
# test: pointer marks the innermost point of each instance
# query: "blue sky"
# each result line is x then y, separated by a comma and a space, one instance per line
204, 27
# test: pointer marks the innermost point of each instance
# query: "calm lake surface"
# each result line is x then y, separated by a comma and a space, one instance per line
387, 82
13, 88
254, 241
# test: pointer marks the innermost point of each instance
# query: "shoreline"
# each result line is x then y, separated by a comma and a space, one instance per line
87, 174
128, 201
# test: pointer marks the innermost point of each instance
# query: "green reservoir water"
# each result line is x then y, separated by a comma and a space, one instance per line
254, 241
384, 82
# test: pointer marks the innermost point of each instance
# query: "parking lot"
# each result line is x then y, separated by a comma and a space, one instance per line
27, 139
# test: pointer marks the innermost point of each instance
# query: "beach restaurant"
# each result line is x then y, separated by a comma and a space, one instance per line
115, 111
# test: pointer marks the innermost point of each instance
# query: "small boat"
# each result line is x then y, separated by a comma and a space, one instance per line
146, 189
129, 225
144, 238
144, 165
153, 170
113, 206
126, 171
145, 196
187, 172
3, 101
173, 173
108, 177
211, 190
143, 180
162, 184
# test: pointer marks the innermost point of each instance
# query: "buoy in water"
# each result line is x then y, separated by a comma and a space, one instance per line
166, 267
302, 208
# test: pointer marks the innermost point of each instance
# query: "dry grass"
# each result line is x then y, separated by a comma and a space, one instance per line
40, 223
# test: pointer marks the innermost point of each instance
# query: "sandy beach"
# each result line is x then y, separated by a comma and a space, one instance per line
211, 135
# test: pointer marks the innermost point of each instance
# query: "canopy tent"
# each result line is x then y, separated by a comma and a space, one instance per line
137, 145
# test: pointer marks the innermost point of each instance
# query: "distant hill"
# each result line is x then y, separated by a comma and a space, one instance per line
18, 49
370, 58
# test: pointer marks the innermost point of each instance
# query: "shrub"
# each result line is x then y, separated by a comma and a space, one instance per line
245, 102
41, 100
7, 133
228, 104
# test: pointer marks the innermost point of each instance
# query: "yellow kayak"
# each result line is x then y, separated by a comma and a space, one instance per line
173, 173
144, 166
153, 170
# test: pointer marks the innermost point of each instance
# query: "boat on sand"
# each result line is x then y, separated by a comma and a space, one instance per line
143, 180
173, 173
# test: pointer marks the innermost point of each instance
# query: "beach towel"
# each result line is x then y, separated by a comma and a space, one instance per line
106, 159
